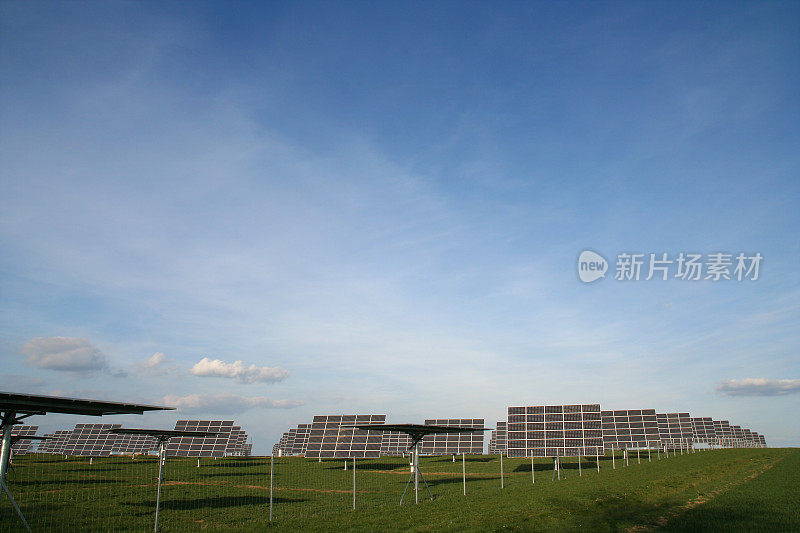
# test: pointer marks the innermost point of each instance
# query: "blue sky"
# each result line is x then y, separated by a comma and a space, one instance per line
379, 207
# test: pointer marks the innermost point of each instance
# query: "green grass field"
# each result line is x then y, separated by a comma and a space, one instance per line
744, 490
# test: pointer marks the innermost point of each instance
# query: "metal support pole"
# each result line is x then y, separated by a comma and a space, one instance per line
580, 474
533, 471
416, 474
464, 471
648, 452
502, 481
271, 476
613, 458
5, 448
558, 464
638, 456
598, 459
14, 504
354, 483
160, 476
345, 464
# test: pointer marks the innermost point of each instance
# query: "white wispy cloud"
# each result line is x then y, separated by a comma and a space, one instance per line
237, 370
153, 365
67, 354
759, 387
225, 403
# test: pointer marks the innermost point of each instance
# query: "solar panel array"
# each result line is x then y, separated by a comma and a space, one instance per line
631, 428
201, 446
722, 429
236, 442
301, 439
327, 437
675, 429
453, 443
497, 443
395, 443
554, 431
22, 446
55, 444
134, 444
703, 431
91, 440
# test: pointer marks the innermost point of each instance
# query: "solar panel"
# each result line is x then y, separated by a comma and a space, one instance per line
90, 440
722, 429
395, 443
497, 441
453, 443
630, 428
55, 444
236, 441
22, 446
201, 446
247, 450
134, 444
300, 439
328, 439
703, 430
554, 431
280, 447
675, 429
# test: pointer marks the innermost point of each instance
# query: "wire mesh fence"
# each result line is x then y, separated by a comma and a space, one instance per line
118, 493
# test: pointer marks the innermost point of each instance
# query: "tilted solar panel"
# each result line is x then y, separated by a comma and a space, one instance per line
22, 446
328, 439
453, 443
395, 443
554, 431
630, 428
703, 430
201, 446
497, 442
675, 430
90, 440
55, 444
300, 439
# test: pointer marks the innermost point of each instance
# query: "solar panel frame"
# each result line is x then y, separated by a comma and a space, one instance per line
90, 440
201, 446
630, 429
675, 429
395, 443
22, 446
327, 438
300, 439
554, 430
703, 430
497, 442
453, 443
55, 444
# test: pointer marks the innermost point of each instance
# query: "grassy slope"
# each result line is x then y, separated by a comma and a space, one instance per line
770, 502
232, 494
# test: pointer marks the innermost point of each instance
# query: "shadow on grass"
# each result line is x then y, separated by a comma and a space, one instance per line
487, 459
215, 502
57, 482
203, 475
367, 466
239, 463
